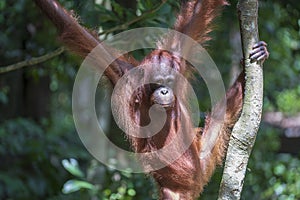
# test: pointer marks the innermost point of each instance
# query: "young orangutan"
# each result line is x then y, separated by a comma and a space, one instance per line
185, 177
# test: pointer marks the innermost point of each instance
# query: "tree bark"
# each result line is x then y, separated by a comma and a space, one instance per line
244, 132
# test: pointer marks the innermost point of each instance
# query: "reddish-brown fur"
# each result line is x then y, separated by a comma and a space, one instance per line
196, 16
186, 176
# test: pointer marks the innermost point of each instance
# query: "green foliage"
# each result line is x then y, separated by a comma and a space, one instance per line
30, 167
24, 133
280, 29
288, 101
285, 182
271, 175
72, 167
3, 95
100, 182
26, 169
75, 185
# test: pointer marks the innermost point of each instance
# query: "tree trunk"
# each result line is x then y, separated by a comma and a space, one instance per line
245, 130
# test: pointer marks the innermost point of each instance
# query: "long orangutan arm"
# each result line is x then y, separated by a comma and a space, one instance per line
234, 103
216, 148
80, 40
194, 20
196, 17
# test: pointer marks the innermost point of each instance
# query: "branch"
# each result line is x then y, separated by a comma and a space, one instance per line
244, 132
32, 61
37, 60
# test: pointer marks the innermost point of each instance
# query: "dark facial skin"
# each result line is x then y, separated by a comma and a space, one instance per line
163, 96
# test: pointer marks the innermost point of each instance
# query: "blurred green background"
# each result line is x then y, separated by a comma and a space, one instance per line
41, 155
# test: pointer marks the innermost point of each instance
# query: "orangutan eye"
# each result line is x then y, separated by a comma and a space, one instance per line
170, 82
